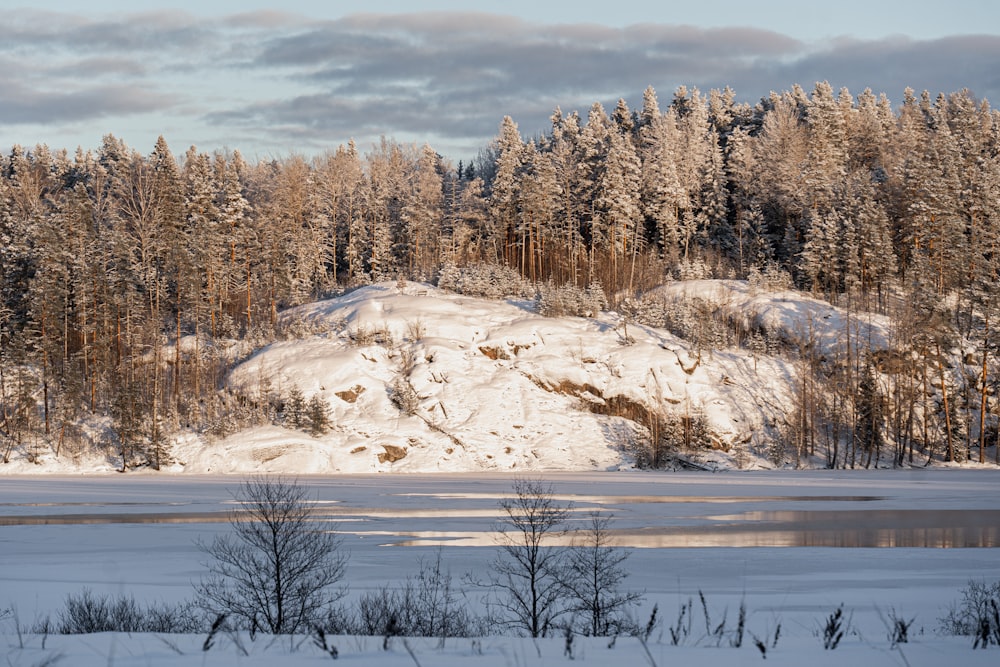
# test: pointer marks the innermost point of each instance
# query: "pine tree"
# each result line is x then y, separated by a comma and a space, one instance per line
932, 206
722, 112
780, 151
592, 150
563, 155
317, 414
616, 226
715, 202
869, 420
873, 261
422, 216
233, 212
624, 120
692, 159
660, 189
740, 174
474, 225
386, 173
504, 187
537, 202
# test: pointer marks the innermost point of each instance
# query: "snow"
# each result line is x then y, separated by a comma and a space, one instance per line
499, 386
136, 534
795, 316
170, 651
502, 391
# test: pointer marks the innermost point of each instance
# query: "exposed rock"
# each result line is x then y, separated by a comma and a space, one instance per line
494, 353
350, 395
391, 454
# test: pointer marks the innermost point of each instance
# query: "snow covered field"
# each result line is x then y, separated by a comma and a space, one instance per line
135, 534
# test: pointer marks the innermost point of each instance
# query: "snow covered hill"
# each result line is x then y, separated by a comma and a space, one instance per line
423, 380
413, 378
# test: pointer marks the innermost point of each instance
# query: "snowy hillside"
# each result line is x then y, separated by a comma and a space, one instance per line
422, 380
791, 315
411, 378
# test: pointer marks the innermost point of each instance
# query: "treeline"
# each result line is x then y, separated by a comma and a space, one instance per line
119, 272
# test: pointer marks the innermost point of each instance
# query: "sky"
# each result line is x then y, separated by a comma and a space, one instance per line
274, 78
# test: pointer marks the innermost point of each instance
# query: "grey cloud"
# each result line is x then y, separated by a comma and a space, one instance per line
100, 67
732, 41
446, 75
504, 67
24, 106
437, 25
262, 20
457, 74
942, 65
147, 32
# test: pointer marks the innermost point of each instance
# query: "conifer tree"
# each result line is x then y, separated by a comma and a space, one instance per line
422, 215
563, 155
504, 188
616, 226
660, 189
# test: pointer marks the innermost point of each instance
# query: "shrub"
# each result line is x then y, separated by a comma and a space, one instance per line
527, 577
86, 613
492, 281
834, 628
404, 396
568, 299
318, 415
976, 614
593, 577
424, 606
897, 627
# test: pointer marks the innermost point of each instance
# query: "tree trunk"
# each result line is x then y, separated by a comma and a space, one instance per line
944, 399
984, 396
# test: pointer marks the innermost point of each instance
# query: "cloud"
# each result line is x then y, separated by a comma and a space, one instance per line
25, 106
443, 76
890, 65
133, 33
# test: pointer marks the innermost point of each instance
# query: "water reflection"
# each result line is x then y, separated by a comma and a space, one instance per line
938, 529
406, 526
634, 500
105, 518
686, 537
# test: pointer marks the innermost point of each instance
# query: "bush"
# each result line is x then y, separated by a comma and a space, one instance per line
404, 396
86, 613
898, 627
492, 281
772, 279
424, 606
568, 299
834, 628
976, 613
294, 411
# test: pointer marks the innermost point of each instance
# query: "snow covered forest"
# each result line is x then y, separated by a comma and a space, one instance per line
130, 283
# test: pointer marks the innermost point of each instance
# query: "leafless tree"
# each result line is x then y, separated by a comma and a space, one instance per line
593, 578
277, 570
526, 578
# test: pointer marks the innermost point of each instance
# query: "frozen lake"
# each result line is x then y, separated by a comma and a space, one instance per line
787, 541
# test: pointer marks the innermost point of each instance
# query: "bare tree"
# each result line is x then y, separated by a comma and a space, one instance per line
526, 577
276, 571
593, 576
